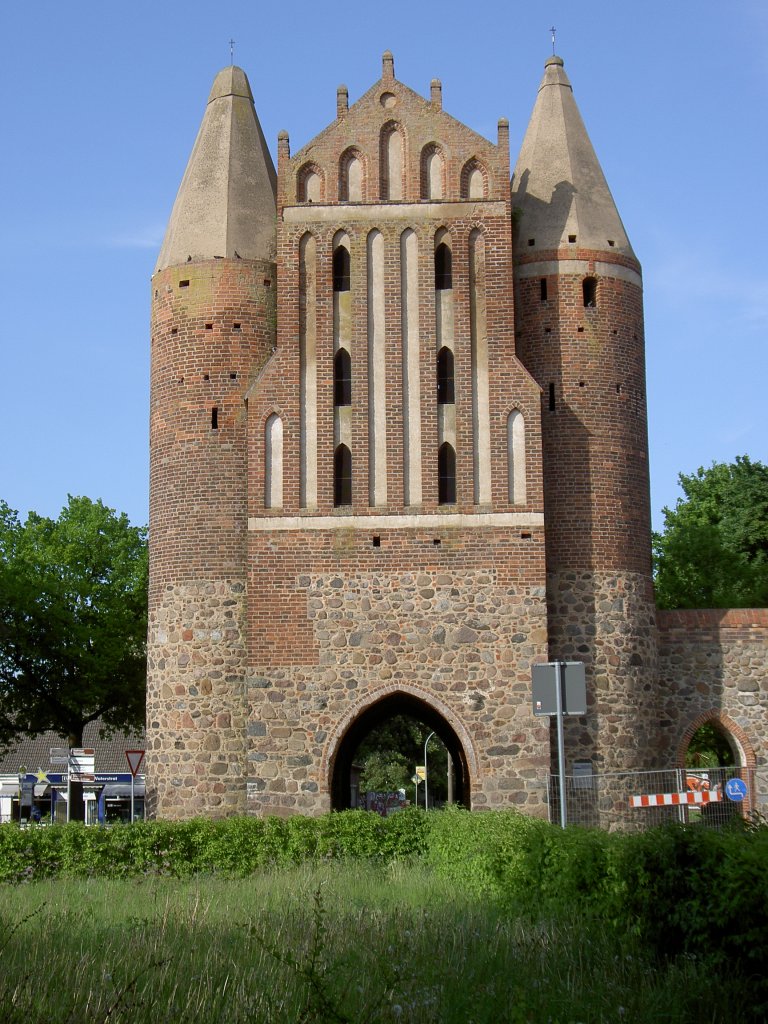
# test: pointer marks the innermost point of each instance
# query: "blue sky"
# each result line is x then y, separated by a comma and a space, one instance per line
101, 104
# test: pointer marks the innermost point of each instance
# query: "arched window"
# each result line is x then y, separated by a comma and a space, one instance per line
432, 172
516, 458
351, 177
589, 291
473, 181
443, 267
342, 378
310, 184
446, 475
273, 462
342, 476
446, 393
341, 269
391, 162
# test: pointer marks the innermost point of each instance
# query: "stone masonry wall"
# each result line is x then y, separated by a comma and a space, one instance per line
712, 666
456, 625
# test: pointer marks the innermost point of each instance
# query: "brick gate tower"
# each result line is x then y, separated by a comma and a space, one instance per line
368, 497
579, 326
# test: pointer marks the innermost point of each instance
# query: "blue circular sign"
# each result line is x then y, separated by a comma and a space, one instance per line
736, 789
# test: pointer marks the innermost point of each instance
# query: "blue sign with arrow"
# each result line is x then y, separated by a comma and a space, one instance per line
736, 789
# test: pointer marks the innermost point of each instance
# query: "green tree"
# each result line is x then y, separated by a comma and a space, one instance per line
389, 755
73, 621
713, 552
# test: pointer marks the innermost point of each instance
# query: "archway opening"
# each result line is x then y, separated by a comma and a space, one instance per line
712, 759
382, 752
710, 747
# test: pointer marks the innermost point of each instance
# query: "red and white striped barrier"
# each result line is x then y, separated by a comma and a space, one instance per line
674, 799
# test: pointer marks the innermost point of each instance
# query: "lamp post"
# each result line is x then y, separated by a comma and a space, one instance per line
426, 773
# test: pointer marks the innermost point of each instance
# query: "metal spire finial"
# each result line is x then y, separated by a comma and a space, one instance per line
231, 51
553, 30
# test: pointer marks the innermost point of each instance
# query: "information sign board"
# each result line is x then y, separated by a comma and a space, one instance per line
545, 682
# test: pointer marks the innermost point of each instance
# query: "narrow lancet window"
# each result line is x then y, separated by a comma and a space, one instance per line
446, 475
516, 457
443, 268
342, 476
589, 290
342, 378
341, 269
446, 392
432, 170
273, 462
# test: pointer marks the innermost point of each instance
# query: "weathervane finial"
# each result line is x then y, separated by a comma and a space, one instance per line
553, 30
231, 51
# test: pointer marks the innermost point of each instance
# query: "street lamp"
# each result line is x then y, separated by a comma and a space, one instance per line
426, 799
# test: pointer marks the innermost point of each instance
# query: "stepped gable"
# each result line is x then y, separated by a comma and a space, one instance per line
225, 206
559, 191
361, 128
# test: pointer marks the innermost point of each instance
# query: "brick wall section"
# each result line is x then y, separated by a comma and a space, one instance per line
596, 478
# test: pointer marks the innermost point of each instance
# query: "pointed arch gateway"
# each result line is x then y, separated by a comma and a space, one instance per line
378, 708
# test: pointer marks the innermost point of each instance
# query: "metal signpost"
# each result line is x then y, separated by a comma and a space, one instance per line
82, 768
135, 757
559, 688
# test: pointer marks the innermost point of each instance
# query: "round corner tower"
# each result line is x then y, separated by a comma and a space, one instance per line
212, 328
579, 328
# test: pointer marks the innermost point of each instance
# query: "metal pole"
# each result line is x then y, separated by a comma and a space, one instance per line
561, 739
426, 801
133, 785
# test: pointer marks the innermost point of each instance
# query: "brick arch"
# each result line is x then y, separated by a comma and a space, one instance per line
412, 696
474, 164
302, 177
726, 724
352, 153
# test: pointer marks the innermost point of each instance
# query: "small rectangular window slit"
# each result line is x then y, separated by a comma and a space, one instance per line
436, 541
525, 536
235, 327
543, 289
209, 327
551, 397
183, 284
215, 418
377, 542
233, 376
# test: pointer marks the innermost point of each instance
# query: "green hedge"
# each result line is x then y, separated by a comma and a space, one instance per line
679, 890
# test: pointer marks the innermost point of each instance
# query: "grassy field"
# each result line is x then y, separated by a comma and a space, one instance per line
331, 943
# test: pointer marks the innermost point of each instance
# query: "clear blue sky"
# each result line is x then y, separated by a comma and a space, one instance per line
101, 103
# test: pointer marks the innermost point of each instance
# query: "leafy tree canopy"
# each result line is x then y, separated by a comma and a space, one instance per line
73, 621
390, 752
713, 552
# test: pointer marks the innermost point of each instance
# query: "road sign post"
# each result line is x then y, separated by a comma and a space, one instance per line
135, 757
559, 688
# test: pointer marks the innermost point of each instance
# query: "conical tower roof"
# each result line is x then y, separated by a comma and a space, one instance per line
558, 187
226, 202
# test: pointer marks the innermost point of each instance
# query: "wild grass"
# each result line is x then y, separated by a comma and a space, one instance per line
338, 942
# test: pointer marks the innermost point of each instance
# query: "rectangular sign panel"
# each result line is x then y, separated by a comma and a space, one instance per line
545, 681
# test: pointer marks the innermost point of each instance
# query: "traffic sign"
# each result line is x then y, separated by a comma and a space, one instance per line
736, 789
546, 680
59, 755
135, 757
